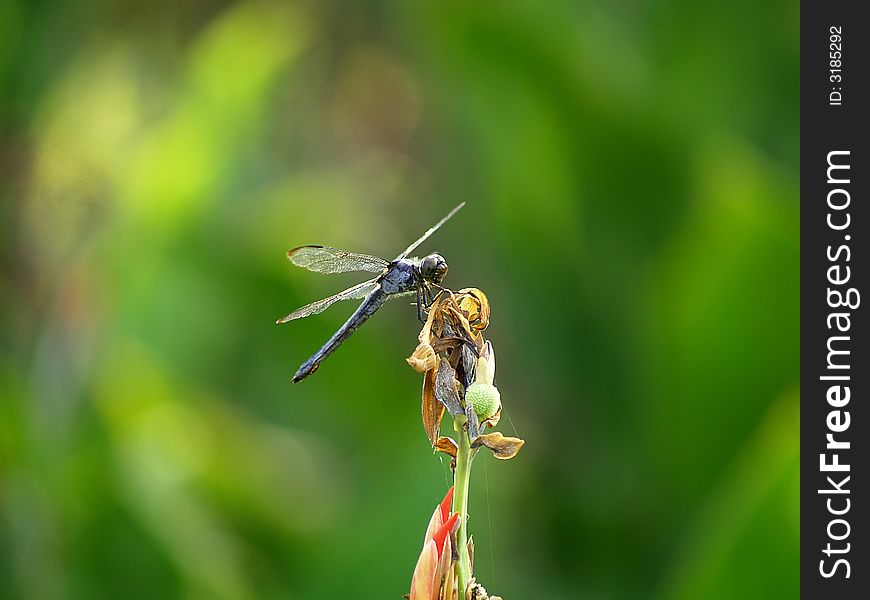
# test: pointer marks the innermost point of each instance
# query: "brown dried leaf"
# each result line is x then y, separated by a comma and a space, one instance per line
447, 446
502, 447
432, 409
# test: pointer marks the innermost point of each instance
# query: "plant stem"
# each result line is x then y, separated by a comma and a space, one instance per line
461, 479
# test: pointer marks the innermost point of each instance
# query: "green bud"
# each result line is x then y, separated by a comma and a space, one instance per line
484, 398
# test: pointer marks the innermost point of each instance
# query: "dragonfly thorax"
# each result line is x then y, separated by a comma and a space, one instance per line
402, 276
433, 268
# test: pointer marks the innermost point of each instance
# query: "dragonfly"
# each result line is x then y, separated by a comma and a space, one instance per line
403, 276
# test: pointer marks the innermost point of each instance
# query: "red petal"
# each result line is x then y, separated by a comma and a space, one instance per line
445, 505
441, 534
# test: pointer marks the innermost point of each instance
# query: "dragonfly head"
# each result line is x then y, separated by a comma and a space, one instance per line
433, 268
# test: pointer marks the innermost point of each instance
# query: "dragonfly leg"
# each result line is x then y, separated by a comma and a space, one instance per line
440, 289
431, 295
420, 292
434, 294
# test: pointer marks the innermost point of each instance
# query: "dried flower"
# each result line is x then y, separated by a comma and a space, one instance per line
459, 378
459, 368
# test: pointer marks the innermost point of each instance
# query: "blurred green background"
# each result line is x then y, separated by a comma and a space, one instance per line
631, 174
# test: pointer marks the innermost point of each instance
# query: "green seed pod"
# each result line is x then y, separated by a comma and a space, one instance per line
484, 398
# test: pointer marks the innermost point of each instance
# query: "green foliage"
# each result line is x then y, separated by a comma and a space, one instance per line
631, 173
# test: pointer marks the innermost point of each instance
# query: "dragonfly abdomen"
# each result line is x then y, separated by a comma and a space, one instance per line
369, 306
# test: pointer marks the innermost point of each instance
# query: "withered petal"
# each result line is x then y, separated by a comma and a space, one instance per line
473, 423
502, 447
426, 332
469, 365
432, 410
445, 388
447, 446
474, 303
423, 359
443, 344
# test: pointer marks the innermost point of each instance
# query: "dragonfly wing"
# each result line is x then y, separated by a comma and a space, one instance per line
429, 232
324, 259
360, 290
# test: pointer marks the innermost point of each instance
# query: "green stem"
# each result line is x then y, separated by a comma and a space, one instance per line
461, 477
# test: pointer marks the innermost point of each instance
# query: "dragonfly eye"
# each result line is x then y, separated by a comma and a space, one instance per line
434, 268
